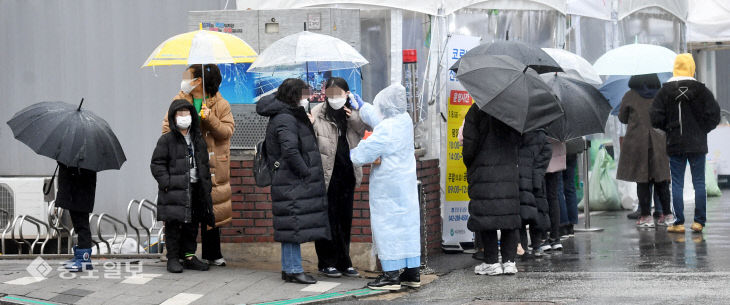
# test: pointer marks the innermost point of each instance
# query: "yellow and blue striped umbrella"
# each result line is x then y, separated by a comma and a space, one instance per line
201, 47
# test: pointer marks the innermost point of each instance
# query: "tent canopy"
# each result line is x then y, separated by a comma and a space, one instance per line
708, 21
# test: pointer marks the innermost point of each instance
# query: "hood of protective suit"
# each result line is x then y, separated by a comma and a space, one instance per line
684, 65
391, 101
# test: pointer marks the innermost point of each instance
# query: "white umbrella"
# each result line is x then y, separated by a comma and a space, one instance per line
636, 59
307, 51
575, 66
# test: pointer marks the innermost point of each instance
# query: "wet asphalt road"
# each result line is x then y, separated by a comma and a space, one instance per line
621, 265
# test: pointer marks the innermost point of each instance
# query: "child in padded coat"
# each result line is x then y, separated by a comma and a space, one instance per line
180, 166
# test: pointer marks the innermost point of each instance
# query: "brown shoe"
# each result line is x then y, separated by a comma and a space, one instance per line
676, 229
697, 227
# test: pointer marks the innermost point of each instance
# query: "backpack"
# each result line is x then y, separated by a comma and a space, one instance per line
262, 173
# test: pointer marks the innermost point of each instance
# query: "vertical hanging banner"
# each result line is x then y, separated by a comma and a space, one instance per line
455, 210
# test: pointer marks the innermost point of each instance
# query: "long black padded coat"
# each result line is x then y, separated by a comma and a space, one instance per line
298, 192
76, 189
490, 154
534, 157
171, 168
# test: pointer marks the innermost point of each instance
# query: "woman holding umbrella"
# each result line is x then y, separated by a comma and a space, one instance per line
200, 88
339, 128
644, 158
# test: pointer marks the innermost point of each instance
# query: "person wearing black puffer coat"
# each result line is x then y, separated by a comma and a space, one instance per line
490, 154
180, 166
298, 191
534, 157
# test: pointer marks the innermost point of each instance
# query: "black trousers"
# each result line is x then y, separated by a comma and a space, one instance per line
336, 252
180, 239
491, 247
551, 185
535, 237
661, 190
211, 242
80, 221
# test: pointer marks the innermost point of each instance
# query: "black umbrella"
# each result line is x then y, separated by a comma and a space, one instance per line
509, 91
68, 134
586, 109
533, 57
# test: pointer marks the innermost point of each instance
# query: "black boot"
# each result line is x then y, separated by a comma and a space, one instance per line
389, 280
174, 266
634, 215
195, 264
411, 277
301, 278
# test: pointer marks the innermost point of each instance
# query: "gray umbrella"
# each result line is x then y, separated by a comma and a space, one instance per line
586, 109
533, 57
68, 134
509, 91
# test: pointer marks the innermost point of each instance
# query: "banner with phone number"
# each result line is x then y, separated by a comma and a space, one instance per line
455, 210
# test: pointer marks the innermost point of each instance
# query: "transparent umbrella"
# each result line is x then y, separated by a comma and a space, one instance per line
636, 59
307, 51
575, 66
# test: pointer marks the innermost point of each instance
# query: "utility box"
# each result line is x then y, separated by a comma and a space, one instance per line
260, 29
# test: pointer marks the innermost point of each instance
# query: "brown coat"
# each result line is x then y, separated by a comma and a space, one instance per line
217, 131
326, 132
644, 149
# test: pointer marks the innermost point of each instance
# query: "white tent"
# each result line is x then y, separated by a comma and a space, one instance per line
677, 8
708, 21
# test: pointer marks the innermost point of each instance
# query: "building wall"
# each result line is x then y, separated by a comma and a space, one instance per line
66, 50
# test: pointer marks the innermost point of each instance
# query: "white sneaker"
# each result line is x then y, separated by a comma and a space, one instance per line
221, 262
491, 269
510, 268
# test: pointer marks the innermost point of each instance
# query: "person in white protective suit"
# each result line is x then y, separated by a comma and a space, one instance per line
394, 209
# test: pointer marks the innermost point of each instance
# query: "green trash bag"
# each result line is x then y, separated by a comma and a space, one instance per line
603, 188
713, 189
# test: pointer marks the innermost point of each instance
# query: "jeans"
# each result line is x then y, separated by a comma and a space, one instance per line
570, 197
291, 258
398, 264
678, 164
508, 246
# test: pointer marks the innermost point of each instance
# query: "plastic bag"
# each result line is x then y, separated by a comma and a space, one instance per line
713, 189
603, 189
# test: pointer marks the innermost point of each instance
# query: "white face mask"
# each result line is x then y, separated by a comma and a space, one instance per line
186, 87
337, 103
183, 122
304, 103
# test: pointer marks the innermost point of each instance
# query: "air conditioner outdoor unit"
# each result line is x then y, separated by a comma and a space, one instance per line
24, 196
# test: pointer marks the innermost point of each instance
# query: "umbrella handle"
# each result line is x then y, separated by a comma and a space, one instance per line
48, 189
82, 102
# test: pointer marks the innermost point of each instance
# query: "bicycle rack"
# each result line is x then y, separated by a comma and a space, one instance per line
91, 220
55, 223
35, 221
114, 221
152, 207
10, 226
129, 221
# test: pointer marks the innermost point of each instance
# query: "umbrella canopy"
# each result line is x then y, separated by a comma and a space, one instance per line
201, 47
308, 51
533, 57
636, 59
586, 110
575, 66
68, 134
509, 91
616, 87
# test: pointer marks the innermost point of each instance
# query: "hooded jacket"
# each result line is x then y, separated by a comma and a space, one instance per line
298, 193
685, 109
534, 156
171, 168
217, 130
490, 151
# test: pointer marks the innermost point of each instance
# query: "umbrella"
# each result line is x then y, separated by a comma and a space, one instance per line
586, 110
636, 59
575, 66
509, 91
617, 85
533, 57
307, 51
68, 134
201, 47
